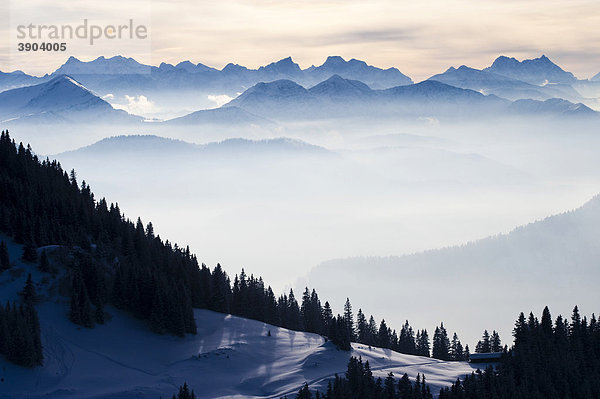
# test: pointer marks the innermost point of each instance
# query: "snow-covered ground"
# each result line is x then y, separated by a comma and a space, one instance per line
230, 357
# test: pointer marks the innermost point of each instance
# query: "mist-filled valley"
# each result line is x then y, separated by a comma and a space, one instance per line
280, 201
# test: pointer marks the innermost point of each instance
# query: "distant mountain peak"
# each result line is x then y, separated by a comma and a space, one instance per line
231, 67
536, 71
335, 77
361, 63
72, 60
285, 66
333, 61
505, 60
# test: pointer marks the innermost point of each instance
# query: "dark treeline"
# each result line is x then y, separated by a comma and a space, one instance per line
40, 204
359, 383
555, 360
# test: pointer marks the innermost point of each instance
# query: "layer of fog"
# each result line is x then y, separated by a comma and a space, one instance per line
370, 189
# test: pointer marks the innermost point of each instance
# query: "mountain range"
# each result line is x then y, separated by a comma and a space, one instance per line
282, 90
338, 97
118, 74
123, 75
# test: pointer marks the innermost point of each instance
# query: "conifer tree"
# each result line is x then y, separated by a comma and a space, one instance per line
495, 342
361, 327
4, 258
423, 346
456, 349
373, 331
28, 292
383, 336
304, 392
44, 264
29, 251
349, 319
484, 346
441, 343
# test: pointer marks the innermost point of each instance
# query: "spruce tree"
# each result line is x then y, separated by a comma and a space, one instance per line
28, 292
495, 342
441, 343
484, 345
44, 264
349, 319
29, 252
423, 346
383, 336
456, 349
4, 258
373, 331
361, 327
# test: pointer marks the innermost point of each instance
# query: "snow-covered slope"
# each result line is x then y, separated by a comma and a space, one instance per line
230, 357
62, 99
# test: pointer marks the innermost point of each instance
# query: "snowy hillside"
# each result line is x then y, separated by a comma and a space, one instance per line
230, 357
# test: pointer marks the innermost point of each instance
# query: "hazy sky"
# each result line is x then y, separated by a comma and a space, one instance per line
421, 38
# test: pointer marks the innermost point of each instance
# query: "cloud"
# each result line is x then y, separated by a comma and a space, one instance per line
419, 38
137, 105
219, 99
